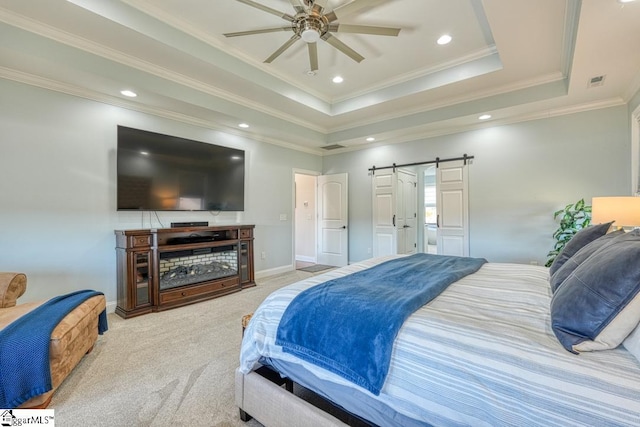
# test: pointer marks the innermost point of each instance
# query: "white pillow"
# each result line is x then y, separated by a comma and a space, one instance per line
632, 343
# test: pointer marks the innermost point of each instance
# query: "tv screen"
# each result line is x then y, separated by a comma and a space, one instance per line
158, 172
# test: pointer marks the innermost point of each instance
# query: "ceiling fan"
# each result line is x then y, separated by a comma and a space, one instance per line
311, 23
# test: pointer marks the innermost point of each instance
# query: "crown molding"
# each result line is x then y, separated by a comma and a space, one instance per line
331, 104
72, 90
93, 48
68, 89
473, 96
183, 26
570, 35
418, 74
633, 89
420, 134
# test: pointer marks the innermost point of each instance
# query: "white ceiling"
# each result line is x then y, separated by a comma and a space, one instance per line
514, 59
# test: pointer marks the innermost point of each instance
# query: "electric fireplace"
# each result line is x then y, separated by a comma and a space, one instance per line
187, 267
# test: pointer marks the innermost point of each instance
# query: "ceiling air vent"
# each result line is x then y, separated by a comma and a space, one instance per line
332, 147
596, 81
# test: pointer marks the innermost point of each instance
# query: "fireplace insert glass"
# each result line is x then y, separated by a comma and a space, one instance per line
187, 267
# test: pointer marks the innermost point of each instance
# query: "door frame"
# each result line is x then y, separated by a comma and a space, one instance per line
295, 172
414, 199
635, 151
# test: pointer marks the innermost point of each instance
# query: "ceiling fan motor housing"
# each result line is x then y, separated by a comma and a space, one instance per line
310, 27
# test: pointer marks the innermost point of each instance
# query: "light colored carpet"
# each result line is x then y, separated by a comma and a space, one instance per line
173, 368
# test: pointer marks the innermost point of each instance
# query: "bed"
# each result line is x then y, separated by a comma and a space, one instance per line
482, 353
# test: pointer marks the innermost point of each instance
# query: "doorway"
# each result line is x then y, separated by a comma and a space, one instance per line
320, 220
443, 219
395, 213
305, 220
430, 231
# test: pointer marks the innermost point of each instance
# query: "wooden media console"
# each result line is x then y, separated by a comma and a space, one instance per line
163, 268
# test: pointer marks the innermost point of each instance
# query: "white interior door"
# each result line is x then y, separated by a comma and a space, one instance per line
384, 211
406, 213
333, 236
453, 208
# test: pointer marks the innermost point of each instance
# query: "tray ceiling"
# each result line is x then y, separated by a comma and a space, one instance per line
513, 59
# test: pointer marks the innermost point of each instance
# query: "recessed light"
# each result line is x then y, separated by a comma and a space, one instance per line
444, 39
371, 139
243, 125
337, 79
129, 93
485, 117
144, 153
625, 1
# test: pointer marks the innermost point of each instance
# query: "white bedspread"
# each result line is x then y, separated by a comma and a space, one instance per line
481, 354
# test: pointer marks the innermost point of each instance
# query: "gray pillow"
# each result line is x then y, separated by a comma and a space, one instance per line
580, 239
598, 305
579, 257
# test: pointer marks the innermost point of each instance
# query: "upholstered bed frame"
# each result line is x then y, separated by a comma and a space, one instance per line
272, 404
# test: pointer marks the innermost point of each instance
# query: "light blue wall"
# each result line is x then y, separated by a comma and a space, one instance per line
521, 174
57, 187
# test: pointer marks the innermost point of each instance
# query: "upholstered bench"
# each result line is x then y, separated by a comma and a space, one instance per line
245, 321
71, 339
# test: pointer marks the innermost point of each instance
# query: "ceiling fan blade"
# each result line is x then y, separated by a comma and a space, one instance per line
297, 6
364, 29
313, 56
282, 48
267, 9
251, 32
342, 47
349, 8
318, 6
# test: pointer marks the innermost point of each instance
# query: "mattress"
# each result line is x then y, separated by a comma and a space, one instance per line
482, 354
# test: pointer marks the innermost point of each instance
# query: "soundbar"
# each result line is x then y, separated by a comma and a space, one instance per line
190, 224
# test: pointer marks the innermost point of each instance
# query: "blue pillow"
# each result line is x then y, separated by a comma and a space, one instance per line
580, 239
579, 257
598, 305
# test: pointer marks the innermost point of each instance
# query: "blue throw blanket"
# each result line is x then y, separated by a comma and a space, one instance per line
348, 325
24, 348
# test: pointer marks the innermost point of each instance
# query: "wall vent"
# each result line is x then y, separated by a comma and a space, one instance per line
596, 81
332, 147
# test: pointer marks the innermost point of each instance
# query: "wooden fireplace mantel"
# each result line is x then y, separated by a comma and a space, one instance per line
142, 257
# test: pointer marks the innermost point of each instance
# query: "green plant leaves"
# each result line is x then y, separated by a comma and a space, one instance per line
573, 218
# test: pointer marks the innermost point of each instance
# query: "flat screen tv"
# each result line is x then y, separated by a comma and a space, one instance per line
158, 172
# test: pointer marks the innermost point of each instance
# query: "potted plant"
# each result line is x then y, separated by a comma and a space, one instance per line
573, 218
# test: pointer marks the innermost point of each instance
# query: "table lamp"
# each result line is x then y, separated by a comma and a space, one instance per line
624, 211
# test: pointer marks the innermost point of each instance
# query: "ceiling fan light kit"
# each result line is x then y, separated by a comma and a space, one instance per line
310, 28
311, 24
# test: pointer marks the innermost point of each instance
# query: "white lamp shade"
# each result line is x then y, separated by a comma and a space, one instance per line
625, 211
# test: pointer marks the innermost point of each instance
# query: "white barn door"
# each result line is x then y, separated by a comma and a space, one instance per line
333, 236
384, 210
394, 212
452, 183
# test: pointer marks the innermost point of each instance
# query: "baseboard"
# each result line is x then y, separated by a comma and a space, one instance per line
111, 306
273, 271
303, 258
